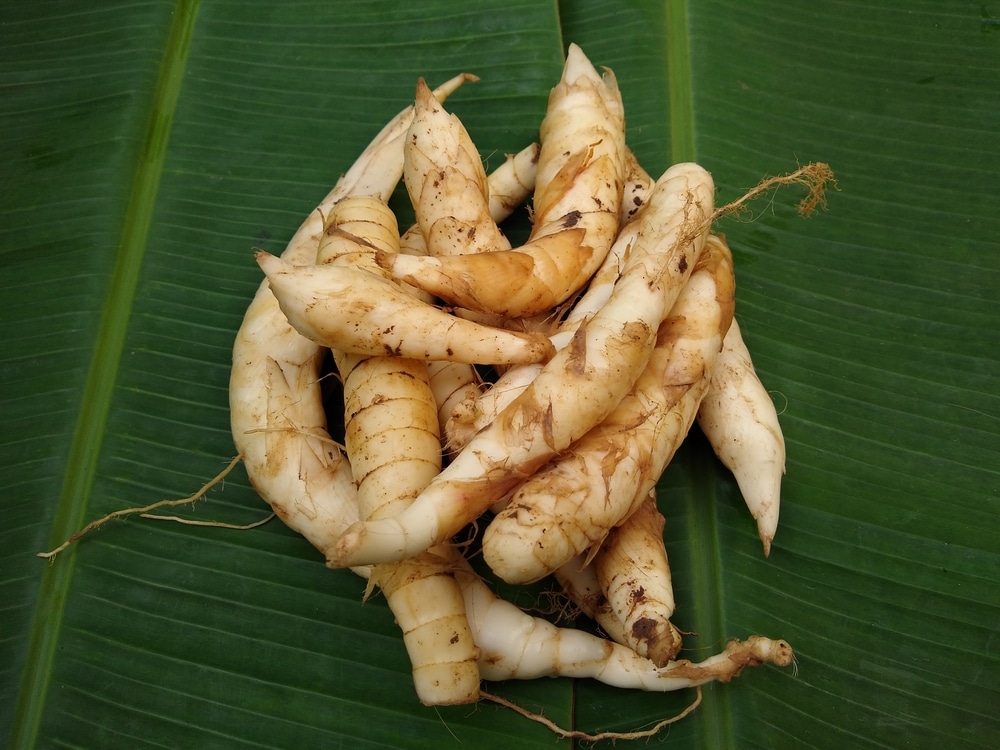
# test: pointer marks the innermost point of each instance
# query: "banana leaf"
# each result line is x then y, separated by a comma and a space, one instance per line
149, 147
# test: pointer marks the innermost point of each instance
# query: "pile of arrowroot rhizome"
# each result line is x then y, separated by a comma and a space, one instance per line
605, 336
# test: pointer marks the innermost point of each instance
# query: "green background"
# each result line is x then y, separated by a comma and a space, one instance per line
148, 147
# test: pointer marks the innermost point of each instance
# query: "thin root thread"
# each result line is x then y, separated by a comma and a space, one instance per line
814, 176
130, 511
213, 524
577, 734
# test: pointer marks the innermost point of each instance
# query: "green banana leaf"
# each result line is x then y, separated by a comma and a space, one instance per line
149, 147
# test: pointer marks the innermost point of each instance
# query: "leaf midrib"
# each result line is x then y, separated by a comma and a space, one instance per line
681, 92
714, 714
99, 387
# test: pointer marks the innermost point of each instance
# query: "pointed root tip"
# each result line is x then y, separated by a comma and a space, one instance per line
424, 96
578, 65
265, 260
767, 527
